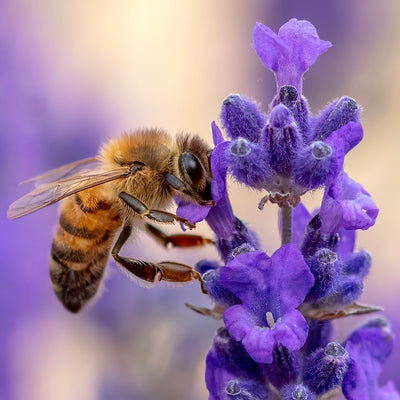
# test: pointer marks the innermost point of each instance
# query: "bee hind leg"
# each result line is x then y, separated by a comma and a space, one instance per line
155, 215
168, 271
179, 240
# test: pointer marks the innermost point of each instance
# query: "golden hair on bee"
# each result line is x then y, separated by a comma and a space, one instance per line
135, 176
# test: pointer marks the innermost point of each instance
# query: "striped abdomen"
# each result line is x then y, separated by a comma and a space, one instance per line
81, 247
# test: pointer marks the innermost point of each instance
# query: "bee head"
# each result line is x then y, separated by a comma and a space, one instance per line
192, 167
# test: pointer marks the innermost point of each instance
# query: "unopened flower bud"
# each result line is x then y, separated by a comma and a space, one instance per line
315, 165
248, 163
326, 269
358, 264
241, 118
215, 290
326, 368
335, 116
282, 140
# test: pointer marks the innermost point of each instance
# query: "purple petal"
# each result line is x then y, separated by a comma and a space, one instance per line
388, 392
191, 211
359, 210
290, 279
219, 168
359, 213
246, 277
238, 322
349, 135
289, 53
217, 134
291, 330
346, 243
270, 47
260, 344
277, 284
305, 44
350, 199
331, 214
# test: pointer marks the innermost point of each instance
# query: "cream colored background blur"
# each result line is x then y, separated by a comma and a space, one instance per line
170, 64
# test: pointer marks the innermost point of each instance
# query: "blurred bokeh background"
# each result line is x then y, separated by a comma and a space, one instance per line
73, 74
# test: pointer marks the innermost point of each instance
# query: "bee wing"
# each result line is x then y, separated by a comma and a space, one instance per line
49, 193
77, 167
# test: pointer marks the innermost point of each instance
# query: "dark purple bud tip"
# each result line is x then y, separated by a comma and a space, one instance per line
335, 349
242, 249
240, 148
233, 388
288, 95
241, 118
209, 276
297, 392
241, 390
326, 256
321, 150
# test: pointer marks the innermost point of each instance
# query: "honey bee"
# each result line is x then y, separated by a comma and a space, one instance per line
134, 176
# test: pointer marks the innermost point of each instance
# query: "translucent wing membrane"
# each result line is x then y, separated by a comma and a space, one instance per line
77, 167
49, 193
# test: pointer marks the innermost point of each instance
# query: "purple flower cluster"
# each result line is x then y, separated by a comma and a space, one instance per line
277, 339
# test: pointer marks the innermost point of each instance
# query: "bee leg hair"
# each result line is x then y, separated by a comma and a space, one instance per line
152, 272
179, 240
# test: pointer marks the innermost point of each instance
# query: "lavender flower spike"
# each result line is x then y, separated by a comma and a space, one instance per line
289, 53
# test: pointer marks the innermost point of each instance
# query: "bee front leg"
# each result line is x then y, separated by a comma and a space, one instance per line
168, 271
179, 240
155, 215
179, 186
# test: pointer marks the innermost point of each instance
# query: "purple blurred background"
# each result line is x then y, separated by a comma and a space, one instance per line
73, 74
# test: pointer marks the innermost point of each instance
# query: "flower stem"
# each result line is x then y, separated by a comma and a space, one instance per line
286, 234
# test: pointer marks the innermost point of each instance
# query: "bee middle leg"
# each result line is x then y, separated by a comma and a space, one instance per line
155, 215
169, 271
179, 240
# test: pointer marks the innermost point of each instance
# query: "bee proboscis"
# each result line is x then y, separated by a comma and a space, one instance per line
134, 176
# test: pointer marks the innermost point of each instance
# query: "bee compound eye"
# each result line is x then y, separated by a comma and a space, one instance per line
191, 165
